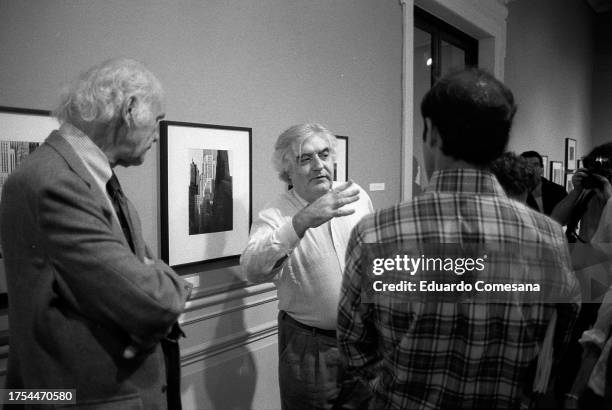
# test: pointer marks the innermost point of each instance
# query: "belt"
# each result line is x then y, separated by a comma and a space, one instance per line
314, 330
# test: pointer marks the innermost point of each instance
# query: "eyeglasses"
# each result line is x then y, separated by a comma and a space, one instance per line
307, 158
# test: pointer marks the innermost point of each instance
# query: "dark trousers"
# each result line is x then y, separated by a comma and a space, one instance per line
308, 366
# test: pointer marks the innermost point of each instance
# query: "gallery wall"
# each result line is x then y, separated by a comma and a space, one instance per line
268, 64
549, 67
602, 81
265, 64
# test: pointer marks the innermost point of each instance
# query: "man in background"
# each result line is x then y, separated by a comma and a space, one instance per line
546, 194
298, 241
515, 175
474, 350
89, 306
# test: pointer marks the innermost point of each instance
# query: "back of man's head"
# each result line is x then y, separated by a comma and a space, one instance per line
514, 174
473, 113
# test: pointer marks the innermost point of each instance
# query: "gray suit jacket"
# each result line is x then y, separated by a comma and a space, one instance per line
77, 293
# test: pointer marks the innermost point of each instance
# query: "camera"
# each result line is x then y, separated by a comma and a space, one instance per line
597, 166
591, 181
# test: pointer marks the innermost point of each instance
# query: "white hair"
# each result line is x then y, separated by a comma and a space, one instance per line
289, 146
98, 95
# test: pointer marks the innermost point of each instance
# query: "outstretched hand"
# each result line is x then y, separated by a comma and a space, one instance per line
326, 207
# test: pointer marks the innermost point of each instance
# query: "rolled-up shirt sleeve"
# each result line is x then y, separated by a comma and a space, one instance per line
272, 239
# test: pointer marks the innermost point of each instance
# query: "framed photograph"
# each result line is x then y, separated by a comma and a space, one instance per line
21, 132
205, 191
557, 173
568, 182
570, 154
341, 164
545, 170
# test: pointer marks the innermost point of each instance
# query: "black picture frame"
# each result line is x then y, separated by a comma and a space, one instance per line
341, 169
570, 155
545, 167
21, 131
556, 173
196, 225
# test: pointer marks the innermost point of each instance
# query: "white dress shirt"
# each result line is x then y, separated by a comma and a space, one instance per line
309, 275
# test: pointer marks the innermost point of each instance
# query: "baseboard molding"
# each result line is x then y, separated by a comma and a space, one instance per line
225, 311
212, 348
206, 300
209, 349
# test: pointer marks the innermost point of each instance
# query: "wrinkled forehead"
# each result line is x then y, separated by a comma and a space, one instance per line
312, 143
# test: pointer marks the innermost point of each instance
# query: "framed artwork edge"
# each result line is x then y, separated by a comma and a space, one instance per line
41, 131
545, 167
560, 169
570, 148
339, 161
165, 232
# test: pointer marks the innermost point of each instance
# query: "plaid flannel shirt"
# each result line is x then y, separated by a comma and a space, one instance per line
437, 354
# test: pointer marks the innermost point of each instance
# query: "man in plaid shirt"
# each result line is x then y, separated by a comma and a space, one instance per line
423, 348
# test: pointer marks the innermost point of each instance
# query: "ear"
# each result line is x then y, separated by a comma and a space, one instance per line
431, 137
126, 111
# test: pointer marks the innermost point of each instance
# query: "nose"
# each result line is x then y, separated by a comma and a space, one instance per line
317, 162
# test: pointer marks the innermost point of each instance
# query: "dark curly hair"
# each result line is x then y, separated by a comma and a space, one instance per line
514, 174
473, 113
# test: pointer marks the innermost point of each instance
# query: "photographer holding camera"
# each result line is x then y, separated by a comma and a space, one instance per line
592, 189
587, 212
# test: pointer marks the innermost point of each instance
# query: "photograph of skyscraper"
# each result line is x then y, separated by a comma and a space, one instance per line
210, 192
12, 154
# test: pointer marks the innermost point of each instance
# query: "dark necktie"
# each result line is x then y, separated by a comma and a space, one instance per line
169, 344
121, 208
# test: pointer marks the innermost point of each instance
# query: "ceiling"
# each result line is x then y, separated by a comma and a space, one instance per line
601, 6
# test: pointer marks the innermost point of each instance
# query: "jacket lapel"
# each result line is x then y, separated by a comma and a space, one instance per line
59, 144
63, 148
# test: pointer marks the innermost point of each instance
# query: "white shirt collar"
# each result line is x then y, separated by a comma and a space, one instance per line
92, 156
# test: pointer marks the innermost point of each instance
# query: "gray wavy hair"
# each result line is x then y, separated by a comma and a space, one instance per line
289, 146
98, 95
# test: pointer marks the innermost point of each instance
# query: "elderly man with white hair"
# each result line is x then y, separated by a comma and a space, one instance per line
90, 308
298, 241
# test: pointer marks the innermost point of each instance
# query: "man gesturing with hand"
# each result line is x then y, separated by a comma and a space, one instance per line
298, 241
330, 205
